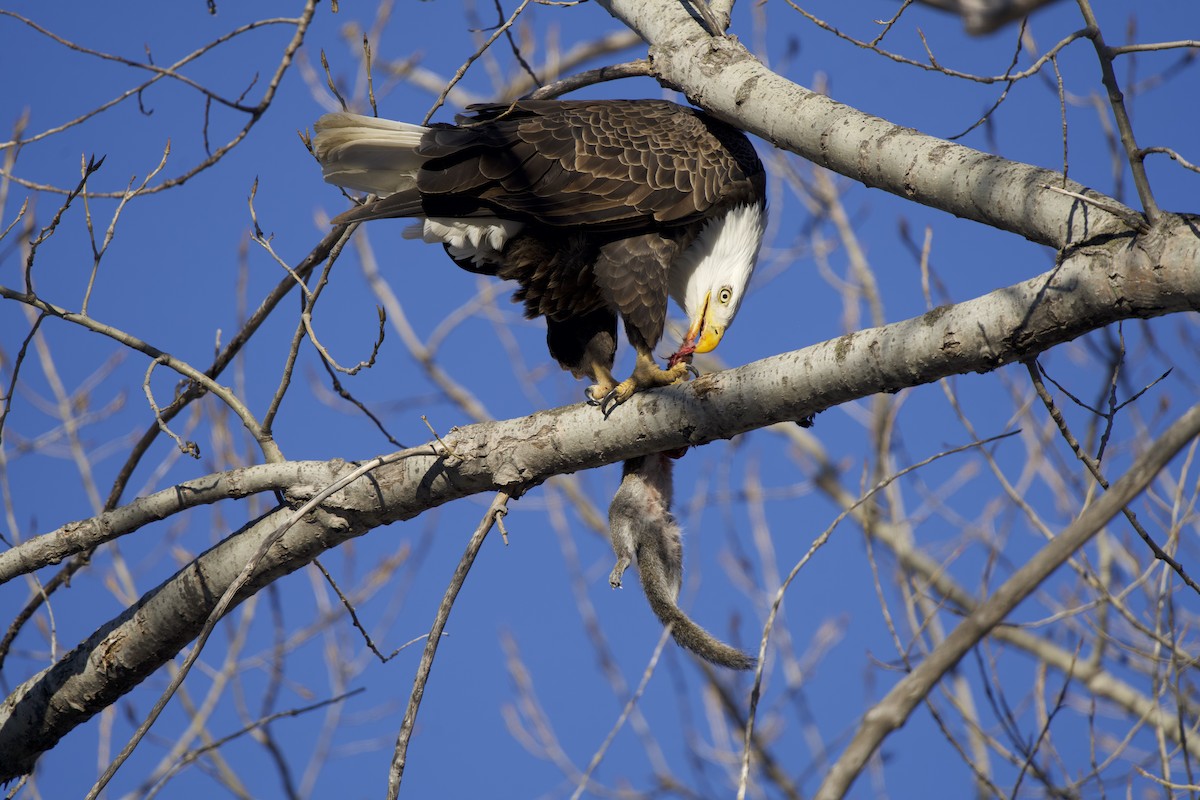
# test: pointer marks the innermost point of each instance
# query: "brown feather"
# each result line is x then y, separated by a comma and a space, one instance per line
569, 163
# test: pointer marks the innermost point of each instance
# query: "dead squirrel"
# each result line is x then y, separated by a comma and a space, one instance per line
644, 531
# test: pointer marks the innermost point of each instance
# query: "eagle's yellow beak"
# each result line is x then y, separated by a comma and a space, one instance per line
704, 331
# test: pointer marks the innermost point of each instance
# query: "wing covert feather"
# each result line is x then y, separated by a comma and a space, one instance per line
620, 165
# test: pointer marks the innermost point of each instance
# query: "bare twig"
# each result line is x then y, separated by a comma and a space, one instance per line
269, 448
1117, 101
18, 360
400, 757
983, 118
349, 606
473, 58
98, 252
1030, 71
255, 112
1134, 221
1149, 47
90, 167
630, 69
1173, 155
193, 755
582, 784
188, 448
446, 449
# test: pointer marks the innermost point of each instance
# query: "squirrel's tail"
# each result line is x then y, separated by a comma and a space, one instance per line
655, 579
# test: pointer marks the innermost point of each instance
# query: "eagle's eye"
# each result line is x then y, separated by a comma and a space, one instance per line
725, 295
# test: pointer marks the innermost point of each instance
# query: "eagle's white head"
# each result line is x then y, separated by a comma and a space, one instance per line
709, 280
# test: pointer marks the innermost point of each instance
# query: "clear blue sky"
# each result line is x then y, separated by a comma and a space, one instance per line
172, 277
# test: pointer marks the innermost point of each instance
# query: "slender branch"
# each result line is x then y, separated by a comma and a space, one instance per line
500, 31
256, 112
932, 65
19, 360
193, 755
90, 167
626, 710
400, 757
1149, 47
1124, 125
189, 448
1174, 156
630, 69
171, 71
99, 251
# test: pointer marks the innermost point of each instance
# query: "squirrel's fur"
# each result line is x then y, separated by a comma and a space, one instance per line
644, 532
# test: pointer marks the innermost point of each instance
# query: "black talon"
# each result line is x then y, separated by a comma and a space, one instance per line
695, 372
587, 394
609, 403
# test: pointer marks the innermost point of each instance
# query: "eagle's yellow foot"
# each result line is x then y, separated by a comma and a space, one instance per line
646, 375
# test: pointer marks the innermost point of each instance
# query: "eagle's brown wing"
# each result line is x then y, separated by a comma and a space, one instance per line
620, 166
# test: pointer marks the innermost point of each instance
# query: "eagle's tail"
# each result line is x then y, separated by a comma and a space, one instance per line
368, 154
381, 157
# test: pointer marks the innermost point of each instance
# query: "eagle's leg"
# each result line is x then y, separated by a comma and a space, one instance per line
586, 345
647, 374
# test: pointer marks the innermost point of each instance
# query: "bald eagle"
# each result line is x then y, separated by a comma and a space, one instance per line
596, 208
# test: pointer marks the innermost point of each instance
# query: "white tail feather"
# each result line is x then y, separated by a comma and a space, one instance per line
380, 156
368, 154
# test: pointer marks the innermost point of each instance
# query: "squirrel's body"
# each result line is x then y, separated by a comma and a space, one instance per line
644, 532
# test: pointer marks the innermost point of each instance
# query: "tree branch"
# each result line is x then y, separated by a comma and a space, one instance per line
722, 76
1092, 288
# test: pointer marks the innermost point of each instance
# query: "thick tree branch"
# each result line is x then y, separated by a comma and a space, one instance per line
80, 536
720, 75
1093, 287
